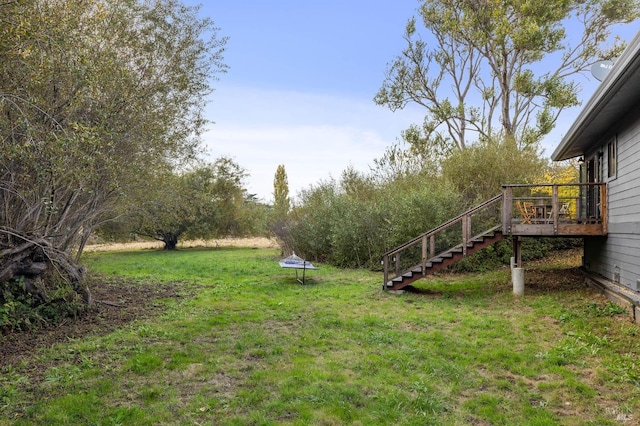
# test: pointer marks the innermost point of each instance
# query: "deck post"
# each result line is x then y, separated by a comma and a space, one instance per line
603, 208
507, 209
385, 267
555, 208
466, 220
424, 255
517, 251
432, 245
517, 271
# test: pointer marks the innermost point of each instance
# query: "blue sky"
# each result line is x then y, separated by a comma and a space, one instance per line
300, 87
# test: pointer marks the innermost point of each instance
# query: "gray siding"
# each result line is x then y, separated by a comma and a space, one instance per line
618, 255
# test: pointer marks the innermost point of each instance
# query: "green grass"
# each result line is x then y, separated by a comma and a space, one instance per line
252, 346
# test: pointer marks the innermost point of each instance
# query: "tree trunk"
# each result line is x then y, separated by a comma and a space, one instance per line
170, 241
34, 267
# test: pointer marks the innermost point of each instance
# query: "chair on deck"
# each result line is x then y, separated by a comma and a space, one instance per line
525, 210
564, 210
563, 213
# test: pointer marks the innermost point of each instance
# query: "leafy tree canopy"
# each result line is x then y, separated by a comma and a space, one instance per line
281, 200
95, 96
208, 200
498, 68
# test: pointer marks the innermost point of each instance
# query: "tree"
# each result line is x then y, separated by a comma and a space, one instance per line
206, 201
95, 97
498, 69
408, 157
477, 173
352, 222
279, 223
281, 201
230, 199
562, 172
168, 207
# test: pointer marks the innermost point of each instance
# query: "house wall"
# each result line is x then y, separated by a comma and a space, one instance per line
617, 256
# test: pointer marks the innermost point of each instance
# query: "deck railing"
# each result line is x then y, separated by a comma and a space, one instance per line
578, 209
457, 232
572, 210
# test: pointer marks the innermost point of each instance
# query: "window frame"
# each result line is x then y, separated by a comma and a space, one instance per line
612, 158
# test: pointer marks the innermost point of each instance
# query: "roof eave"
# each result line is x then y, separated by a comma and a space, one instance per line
574, 142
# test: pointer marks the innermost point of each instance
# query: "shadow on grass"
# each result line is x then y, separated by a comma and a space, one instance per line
537, 281
293, 280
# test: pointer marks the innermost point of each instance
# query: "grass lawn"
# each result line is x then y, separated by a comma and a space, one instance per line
248, 345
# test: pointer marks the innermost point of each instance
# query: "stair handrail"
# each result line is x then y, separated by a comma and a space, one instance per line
444, 225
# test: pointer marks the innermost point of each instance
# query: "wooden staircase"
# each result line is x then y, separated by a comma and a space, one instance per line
445, 259
488, 222
443, 245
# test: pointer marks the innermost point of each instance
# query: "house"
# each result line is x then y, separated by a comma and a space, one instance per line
606, 138
604, 208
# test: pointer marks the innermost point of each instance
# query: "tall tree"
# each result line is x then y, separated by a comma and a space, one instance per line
278, 221
498, 68
281, 201
94, 97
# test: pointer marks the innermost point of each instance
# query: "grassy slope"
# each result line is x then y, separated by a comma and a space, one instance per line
255, 347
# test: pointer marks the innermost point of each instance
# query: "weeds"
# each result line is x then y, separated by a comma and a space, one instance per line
20, 310
608, 309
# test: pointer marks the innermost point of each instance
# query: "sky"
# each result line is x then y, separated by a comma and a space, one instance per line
300, 85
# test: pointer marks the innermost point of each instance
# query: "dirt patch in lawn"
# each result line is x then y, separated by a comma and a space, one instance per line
118, 303
126, 301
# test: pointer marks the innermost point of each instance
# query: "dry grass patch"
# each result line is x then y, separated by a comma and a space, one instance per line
248, 242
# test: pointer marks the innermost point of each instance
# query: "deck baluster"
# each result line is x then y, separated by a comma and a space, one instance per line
421, 261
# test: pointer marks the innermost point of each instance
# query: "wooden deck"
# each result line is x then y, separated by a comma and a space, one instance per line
542, 210
568, 210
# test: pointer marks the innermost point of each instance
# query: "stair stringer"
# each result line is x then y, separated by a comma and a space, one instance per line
445, 259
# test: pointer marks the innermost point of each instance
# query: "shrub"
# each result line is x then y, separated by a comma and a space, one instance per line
350, 227
20, 310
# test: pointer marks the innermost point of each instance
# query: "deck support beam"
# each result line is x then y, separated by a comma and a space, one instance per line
517, 278
517, 271
517, 250
558, 212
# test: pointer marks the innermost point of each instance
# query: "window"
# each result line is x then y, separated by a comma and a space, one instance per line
612, 157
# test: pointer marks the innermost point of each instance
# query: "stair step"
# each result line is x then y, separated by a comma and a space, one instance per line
437, 260
453, 254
